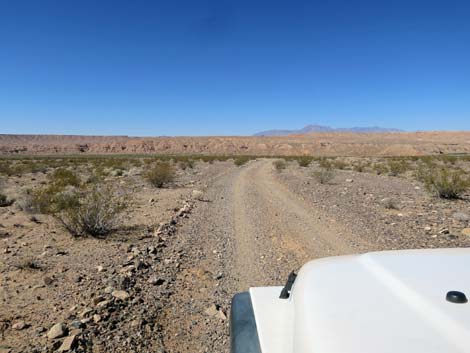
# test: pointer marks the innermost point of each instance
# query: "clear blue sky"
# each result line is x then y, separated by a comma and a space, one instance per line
224, 68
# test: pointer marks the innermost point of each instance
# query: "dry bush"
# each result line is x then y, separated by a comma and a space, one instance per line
324, 175
97, 213
339, 164
161, 174
390, 204
325, 163
241, 160
445, 183
279, 164
186, 163
304, 161
4, 201
64, 177
397, 167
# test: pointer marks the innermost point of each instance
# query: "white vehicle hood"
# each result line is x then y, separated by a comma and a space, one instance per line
378, 302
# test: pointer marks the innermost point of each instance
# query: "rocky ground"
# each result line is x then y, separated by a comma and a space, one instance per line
164, 282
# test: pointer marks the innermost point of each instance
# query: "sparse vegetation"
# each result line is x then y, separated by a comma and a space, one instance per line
397, 167
445, 183
161, 174
304, 161
96, 213
390, 204
64, 177
279, 164
4, 201
241, 160
324, 175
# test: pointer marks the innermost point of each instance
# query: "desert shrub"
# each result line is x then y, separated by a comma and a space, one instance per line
160, 174
359, 167
97, 213
50, 199
380, 168
241, 160
279, 164
4, 201
445, 183
64, 177
397, 167
304, 161
324, 175
186, 163
325, 163
390, 204
338, 164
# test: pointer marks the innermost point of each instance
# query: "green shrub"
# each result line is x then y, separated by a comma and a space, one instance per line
161, 174
304, 161
397, 167
4, 201
325, 163
64, 177
279, 164
324, 175
97, 213
338, 164
241, 160
445, 183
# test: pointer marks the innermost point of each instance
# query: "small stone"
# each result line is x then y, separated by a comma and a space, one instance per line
417, 188
109, 290
427, 229
100, 268
155, 280
57, 331
19, 325
213, 310
77, 325
48, 280
85, 312
197, 195
96, 318
120, 294
466, 231
349, 180
67, 344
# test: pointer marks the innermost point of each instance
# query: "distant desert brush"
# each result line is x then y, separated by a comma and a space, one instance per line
445, 183
324, 175
304, 161
279, 164
161, 174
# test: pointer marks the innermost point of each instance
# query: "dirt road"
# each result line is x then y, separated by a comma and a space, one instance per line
252, 231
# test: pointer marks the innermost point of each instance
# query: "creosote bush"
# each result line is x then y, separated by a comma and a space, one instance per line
97, 213
304, 161
241, 160
64, 177
279, 164
324, 175
445, 183
160, 174
4, 201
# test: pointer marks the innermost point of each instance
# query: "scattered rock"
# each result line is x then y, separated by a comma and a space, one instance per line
57, 331
197, 195
48, 280
120, 294
155, 280
19, 325
68, 344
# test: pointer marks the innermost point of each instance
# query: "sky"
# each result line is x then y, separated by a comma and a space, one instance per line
152, 68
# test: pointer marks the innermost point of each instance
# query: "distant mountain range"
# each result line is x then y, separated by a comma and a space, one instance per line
320, 128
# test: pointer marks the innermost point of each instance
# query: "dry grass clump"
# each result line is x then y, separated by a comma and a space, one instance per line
324, 175
97, 213
161, 174
4, 201
279, 164
304, 161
